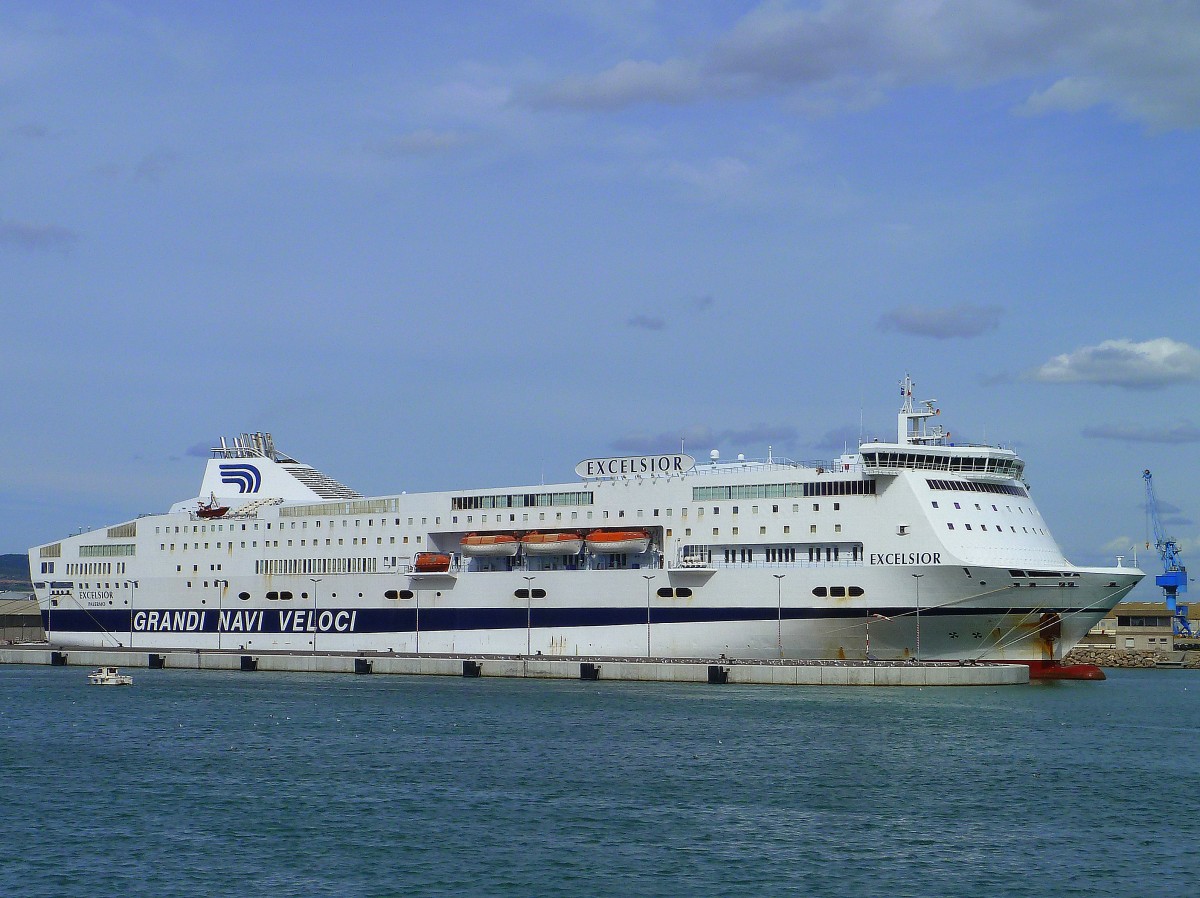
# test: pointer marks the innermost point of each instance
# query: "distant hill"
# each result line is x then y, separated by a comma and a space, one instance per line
14, 572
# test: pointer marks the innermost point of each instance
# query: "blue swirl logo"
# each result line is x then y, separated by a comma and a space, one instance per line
245, 477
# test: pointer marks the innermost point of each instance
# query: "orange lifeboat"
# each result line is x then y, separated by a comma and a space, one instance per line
632, 542
431, 563
552, 543
504, 545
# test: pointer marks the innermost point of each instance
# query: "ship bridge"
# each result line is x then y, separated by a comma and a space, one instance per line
922, 446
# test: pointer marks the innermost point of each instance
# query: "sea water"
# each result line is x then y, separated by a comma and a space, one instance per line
263, 784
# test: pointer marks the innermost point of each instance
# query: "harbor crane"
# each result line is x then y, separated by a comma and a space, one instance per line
1173, 579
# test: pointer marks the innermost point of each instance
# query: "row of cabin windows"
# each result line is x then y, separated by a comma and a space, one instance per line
999, 528
254, 525
773, 554
641, 513
354, 541
76, 569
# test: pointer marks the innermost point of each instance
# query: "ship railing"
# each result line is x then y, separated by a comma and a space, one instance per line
823, 466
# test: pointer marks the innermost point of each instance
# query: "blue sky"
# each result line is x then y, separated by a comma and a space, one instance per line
456, 244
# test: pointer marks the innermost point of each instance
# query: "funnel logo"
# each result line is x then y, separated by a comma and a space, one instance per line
245, 477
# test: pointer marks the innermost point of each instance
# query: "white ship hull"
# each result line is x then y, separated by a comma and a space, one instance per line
745, 614
917, 549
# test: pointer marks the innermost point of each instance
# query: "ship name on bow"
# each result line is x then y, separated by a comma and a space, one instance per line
905, 558
635, 464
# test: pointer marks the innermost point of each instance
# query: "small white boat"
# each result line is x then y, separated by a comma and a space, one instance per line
109, 676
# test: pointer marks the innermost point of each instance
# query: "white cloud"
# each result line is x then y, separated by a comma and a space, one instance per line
1183, 432
425, 142
628, 82
1123, 363
1139, 59
963, 320
27, 235
700, 439
647, 322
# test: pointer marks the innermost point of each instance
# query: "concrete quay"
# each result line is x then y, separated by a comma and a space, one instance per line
665, 670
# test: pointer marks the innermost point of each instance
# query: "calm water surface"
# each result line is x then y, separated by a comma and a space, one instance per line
205, 783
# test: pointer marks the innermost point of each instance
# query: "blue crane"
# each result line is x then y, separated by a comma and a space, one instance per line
1173, 579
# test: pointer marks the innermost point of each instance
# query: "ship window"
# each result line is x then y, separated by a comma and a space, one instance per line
856, 591
406, 593
664, 592
816, 507
285, 595
391, 594
787, 528
820, 592
812, 528
968, 526
837, 592
935, 505
273, 596
949, 526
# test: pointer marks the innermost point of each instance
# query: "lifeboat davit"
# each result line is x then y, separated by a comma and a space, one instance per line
211, 509
503, 545
552, 543
431, 563
632, 542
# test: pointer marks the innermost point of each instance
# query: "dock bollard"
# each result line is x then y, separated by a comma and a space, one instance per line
718, 674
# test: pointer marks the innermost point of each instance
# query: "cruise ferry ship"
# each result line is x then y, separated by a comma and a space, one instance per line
923, 548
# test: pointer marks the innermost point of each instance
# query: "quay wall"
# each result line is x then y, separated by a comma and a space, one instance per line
814, 673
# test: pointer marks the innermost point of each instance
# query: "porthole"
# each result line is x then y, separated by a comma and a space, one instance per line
285, 595
856, 591
665, 592
391, 594
273, 596
837, 592
406, 593
244, 596
683, 592
820, 592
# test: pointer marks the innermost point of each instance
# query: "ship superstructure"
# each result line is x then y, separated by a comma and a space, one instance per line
920, 548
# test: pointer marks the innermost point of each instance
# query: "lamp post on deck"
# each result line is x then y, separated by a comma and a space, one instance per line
779, 608
315, 581
647, 578
528, 614
917, 581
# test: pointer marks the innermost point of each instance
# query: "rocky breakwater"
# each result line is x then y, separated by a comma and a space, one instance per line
1106, 657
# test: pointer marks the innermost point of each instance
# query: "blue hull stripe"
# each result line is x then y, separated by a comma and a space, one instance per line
404, 620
